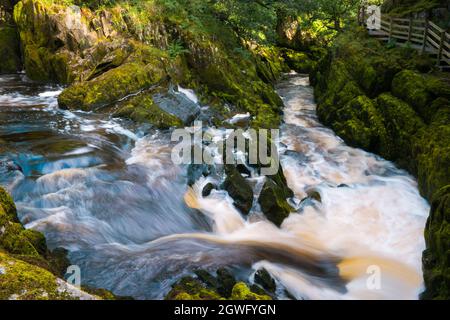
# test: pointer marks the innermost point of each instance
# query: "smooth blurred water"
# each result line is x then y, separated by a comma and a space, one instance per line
106, 190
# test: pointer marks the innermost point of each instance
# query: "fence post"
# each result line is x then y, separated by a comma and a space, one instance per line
425, 36
363, 15
410, 29
441, 47
390, 28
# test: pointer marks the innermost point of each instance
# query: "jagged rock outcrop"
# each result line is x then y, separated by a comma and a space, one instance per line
110, 52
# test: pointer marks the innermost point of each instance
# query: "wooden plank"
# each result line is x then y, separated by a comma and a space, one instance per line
446, 53
435, 35
433, 43
446, 44
417, 41
406, 27
386, 29
400, 33
390, 28
425, 36
400, 37
400, 19
436, 27
418, 28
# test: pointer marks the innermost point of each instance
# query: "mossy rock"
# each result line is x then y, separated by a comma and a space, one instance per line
432, 153
238, 189
189, 288
273, 202
263, 278
361, 125
9, 50
111, 86
242, 292
402, 124
226, 282
8, 206
410, 87
437, 235
20, 280
298, 61
143, 109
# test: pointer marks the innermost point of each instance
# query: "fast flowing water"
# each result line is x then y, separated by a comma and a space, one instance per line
107, 191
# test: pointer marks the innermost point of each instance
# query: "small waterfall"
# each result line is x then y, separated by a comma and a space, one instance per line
106, 190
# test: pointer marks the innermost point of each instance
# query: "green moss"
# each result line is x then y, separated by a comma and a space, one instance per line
189, 288
111, 86
410, 86
432, 151
272, 200
437, 236
23, 281
8, 206
298, 61
9, 50
238, 189
143, 109
402, 124
242, 292
360, 124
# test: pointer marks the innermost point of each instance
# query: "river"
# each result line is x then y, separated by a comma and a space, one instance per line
107, 190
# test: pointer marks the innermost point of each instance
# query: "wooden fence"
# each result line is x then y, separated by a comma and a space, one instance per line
420, 34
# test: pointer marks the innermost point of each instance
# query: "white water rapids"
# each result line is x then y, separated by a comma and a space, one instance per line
108, 192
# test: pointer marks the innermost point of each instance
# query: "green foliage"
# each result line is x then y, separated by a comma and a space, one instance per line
176, 49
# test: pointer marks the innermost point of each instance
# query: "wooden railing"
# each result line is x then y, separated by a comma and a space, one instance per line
423, 35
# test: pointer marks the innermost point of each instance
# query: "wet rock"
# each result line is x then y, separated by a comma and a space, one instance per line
226, 282
207, 278
273, 202
263, 278
143, 109
207, 189
178, 104
315, 195
238, 189
195, 171
243, 169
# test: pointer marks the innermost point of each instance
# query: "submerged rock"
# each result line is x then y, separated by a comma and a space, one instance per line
208, 189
